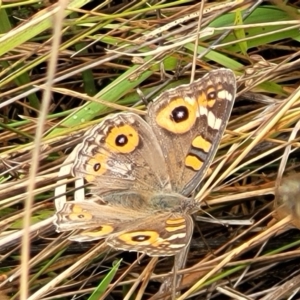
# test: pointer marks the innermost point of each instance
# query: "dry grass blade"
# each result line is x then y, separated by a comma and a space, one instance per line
67, 65
284, 290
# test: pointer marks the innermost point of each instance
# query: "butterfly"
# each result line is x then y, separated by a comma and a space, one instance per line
144, 170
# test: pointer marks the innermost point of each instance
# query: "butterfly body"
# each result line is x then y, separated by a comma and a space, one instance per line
143, 171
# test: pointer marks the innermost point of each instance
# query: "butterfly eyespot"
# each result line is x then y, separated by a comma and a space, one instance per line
211, 95
97, 167
82, 216
122, 140
208, 97
141, 238
180, 114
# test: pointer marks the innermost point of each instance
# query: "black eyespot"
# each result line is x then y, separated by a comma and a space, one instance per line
180, 114
121, 140
211, 96
141, 238
80, 216
97, 167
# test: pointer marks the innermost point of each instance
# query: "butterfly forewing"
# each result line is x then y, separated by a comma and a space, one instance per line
122, 154
189, 122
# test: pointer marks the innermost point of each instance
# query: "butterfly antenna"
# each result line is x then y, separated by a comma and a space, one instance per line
142, 96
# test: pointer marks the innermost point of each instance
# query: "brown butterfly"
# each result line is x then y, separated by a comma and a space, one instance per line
145, 170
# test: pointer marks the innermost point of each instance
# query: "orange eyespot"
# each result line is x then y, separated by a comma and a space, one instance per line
139, 237
123, 139
208, 98
96, 166
79, 214
178, 116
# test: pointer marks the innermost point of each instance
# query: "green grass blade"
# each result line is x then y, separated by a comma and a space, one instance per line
102, 287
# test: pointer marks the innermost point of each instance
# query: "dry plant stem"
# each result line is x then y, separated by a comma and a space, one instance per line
85, 67
124, 23
231, 255
160, 49
246, 270
286, 155
51, 11
46, 148
270, 258
205, 189
216, 42
18, 198
260, 271
197, 40
35, 155
92, 99
209, 31
75, 71
19, 215
51, 248
94, 252
12, 186
210, 261
19, 234
208, 186
232, 293
188, 17
174, 280
270, 72
256, 188
124, 274
239, 197
145, 276
282, 291
260, 35
263, 130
